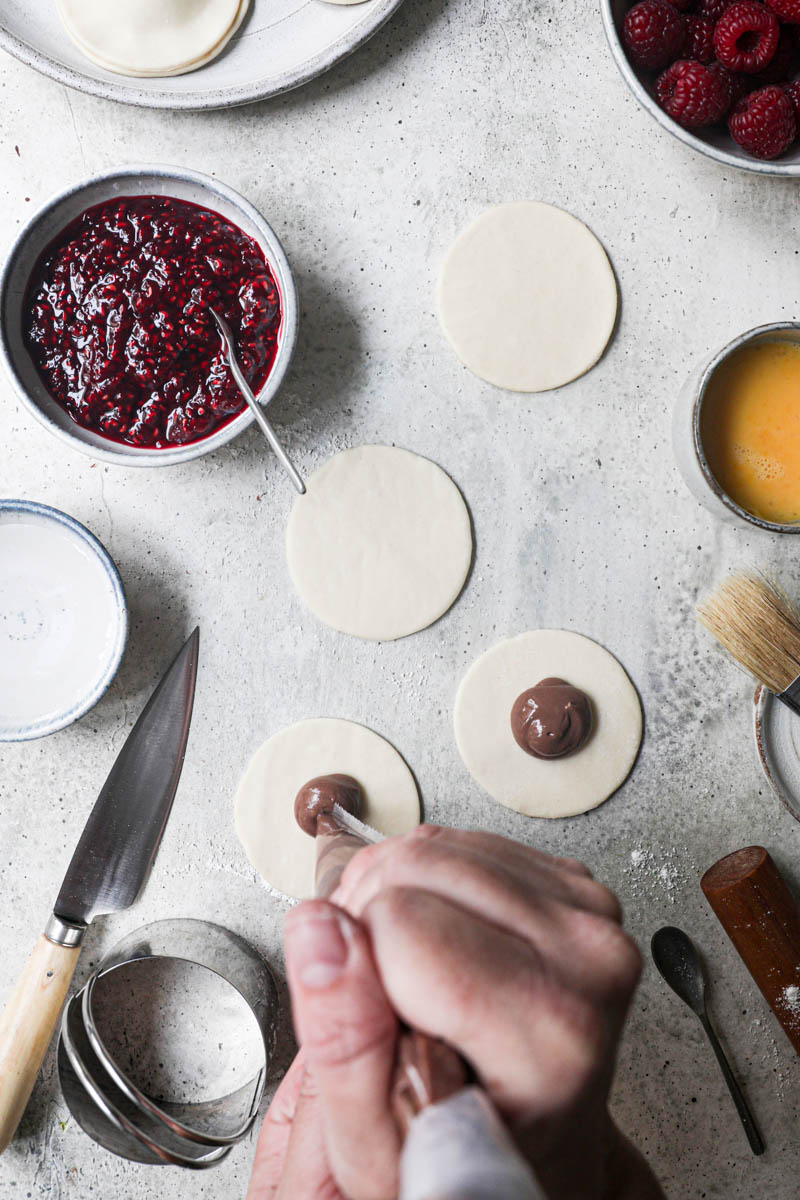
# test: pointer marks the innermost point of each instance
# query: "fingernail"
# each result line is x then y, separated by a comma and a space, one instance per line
316, 949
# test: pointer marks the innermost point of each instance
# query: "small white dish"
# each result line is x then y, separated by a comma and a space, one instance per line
777, 734
45, 225
63, 620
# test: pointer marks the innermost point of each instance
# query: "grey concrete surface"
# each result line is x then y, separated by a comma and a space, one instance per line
581, 522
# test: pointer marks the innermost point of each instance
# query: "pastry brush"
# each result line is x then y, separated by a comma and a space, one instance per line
756, 622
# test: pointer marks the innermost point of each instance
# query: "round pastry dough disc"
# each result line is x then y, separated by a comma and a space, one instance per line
265, 823
561, 787
527, 297
380, 544
151, 37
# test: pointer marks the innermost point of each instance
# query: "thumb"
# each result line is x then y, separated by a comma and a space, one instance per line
273, 1141
348, 1031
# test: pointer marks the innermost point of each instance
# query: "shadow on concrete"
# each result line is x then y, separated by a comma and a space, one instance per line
327, 364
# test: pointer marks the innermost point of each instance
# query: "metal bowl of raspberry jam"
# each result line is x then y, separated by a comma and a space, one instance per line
105, 326
714, 142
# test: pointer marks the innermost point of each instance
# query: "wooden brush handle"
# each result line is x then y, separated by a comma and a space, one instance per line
762, 918
26, 1027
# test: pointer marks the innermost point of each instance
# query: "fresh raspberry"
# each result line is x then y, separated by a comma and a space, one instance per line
681, 5
746, 37
779, 68
786, 10
692, 94
793, 92
735, 85
699, 38
713, 8
763, 123
653, 33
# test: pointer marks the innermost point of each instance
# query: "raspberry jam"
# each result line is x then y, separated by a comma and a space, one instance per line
116, 319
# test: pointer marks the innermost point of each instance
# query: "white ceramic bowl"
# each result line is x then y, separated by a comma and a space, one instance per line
686, 431
716, 142
63, 620
47, 223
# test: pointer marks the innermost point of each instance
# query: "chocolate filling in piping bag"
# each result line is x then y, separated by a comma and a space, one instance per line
340, 835
427, 1069
456, 1147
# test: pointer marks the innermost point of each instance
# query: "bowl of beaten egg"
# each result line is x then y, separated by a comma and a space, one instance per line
736, 429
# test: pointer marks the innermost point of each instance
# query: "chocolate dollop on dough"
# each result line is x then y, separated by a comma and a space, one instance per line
552, 719
319, 795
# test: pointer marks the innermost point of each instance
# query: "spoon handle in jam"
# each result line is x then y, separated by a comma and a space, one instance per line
272, 438
244, 387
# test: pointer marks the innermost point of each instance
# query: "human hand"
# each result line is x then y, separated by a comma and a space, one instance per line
514, 957
291, 1161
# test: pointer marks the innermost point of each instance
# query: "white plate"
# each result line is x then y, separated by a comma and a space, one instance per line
63, 620
777, 731
282, 44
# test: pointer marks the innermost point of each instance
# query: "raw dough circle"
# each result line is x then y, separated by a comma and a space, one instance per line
265, 821
527, 297
561, 787
151, 38
380, 544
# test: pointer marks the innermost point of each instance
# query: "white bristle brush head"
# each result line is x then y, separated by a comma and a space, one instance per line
753, 619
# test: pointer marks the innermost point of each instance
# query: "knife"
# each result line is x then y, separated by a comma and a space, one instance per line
108, 870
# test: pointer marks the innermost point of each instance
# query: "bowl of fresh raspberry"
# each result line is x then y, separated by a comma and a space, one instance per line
105, 314
723, 76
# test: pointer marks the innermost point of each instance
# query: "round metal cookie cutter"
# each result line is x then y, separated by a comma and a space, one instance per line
110, 1106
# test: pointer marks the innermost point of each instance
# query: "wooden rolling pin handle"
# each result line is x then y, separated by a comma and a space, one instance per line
762, 918
26, 1027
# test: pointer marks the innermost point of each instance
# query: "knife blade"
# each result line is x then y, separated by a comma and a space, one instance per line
116, 851
108, 870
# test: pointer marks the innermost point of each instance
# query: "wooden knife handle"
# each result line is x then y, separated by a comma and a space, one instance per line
27, 1024
762, 918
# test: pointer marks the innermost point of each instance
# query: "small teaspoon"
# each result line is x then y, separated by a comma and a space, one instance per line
244, 387
679, 964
